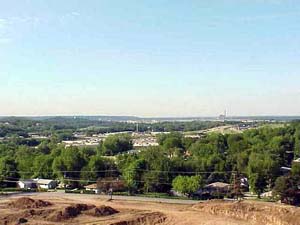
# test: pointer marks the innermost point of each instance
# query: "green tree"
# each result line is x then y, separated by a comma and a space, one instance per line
25, 158
42, 166
262, 170
258, 183
69, 164
97, 167
8, 169
187, 185
296, 169
187, 142
44, 147
279, 146
171, 140
115, 144
287, 189
156, 177
297, 144
132, 175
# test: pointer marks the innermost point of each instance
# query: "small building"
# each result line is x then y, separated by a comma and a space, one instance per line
27, 184
93, 187
218, 187
37, 183
214, 190
46, 183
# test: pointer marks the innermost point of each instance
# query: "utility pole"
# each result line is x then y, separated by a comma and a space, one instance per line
237, 192
234, 184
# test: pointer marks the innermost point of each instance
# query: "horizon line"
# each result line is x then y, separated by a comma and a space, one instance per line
149, 117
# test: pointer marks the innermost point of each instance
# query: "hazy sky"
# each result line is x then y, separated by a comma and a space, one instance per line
149, 57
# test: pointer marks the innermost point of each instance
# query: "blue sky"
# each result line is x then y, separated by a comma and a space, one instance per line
149, 58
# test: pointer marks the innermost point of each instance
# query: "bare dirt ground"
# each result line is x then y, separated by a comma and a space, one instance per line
253, 211
72, 209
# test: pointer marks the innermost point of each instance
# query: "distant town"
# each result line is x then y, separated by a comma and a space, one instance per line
90, 136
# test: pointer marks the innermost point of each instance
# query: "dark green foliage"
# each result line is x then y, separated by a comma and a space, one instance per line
42, 166
147, 171
117, 144
297, 143
263, 169
8, 169
296, 169
132, 174
25, 157
97, 167
287, 189
69, 164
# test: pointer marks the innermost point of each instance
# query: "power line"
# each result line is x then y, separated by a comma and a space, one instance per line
133, 170
115, 181
96, 181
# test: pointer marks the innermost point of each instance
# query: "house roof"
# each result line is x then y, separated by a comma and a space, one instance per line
217, 185
283, 168
44, 181
28, 181
91, 186
37, 181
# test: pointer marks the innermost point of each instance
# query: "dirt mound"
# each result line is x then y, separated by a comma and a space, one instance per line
75, 210
28, 203
83, 207
32, 210
256, 212
144, 219
101, 211
22, 215
64, 214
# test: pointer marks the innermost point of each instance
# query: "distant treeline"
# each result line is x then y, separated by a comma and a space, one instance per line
65, 126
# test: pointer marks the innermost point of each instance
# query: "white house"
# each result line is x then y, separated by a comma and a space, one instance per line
27, 184
46, 183
37, 183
